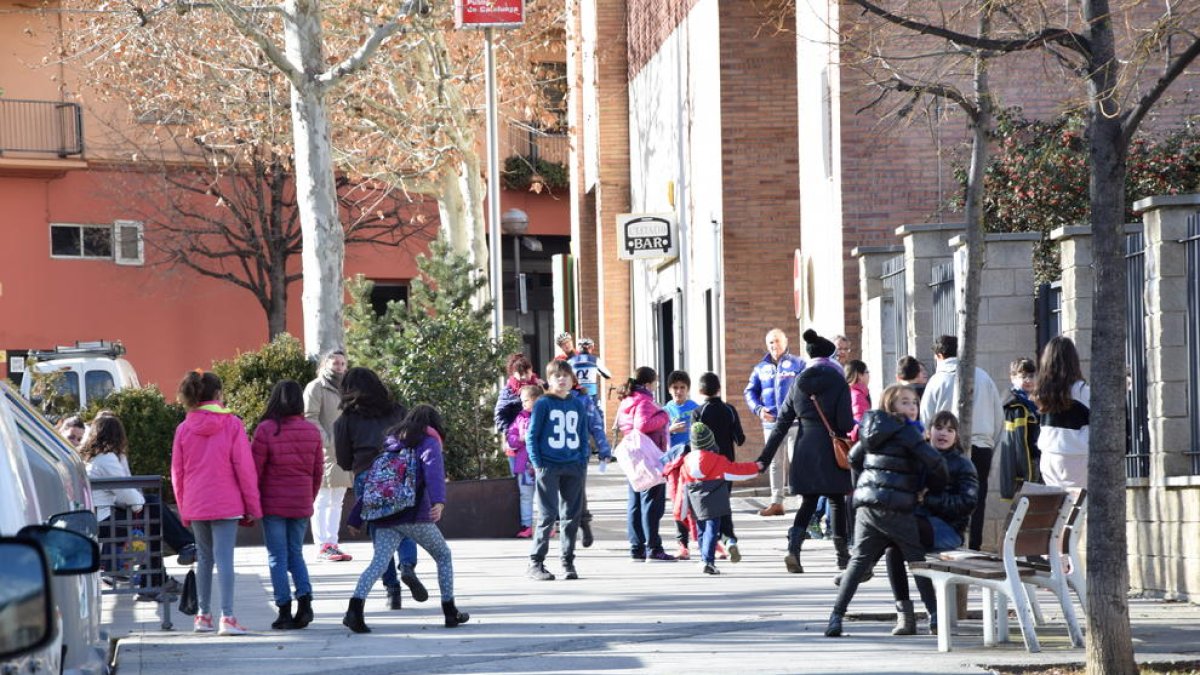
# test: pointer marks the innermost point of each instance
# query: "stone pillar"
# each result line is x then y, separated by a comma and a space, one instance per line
1165, 224
1078, 287
1006, 305
875, 337
924, 246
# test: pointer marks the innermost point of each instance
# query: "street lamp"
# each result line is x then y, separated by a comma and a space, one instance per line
515, 222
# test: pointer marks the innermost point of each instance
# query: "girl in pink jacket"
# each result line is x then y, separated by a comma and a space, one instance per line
216, 486
644, 510
859, 379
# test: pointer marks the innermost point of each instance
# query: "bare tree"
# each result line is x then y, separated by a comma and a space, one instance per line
1117, 107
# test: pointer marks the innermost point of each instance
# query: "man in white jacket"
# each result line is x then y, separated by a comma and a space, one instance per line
987, 419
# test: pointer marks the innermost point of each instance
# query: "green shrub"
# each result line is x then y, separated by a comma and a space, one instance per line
438, 349
518, 173
149, 422
247, 379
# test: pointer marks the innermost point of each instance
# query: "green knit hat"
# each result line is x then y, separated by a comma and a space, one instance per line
702, 437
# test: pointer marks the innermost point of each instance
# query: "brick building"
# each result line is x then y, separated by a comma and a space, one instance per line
759, 142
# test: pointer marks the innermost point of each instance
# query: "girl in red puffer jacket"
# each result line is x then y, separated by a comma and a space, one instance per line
291, 463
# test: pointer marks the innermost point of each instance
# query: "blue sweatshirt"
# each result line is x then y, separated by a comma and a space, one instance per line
682, 411
558, 431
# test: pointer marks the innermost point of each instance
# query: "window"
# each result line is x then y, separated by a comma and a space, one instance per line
81, 241
98, 384
120, 242
552, 80
127, 240
385, 292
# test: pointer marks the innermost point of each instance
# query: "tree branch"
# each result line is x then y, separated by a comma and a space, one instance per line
1133, 118
241, 22
1062, 36
356, 61
940, 90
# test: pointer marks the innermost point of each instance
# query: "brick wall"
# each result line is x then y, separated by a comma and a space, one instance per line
650, 22
761, 194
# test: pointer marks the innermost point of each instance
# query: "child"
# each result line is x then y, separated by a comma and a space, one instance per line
708, 474
723, 421
290, 460
942, 518
212, 471
679, 410
1063, 399
644, 509
557, 447
421, 433
508, 404
519, 461
1019, 454
891, 457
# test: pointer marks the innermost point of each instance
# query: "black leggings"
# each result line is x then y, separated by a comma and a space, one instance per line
837, 513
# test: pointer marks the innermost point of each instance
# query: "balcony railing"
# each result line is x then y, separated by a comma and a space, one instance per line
534, 144
48, 127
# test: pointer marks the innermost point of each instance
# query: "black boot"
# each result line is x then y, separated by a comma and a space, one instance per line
795, 539
393, 595
354, 617
304, 613
586, 528
409, 576
453, 616
843, 552
906, 619
284, 621
834, 629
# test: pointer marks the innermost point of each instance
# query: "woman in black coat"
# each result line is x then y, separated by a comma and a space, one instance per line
814, 471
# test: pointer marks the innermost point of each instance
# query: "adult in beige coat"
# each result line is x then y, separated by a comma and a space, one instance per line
322, 406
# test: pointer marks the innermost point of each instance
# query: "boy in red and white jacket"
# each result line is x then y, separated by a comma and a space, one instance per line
706, 473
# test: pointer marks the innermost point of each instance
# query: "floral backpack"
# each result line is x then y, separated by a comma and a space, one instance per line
391, 483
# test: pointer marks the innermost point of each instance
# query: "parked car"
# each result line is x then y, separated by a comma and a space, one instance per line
39, 475
89, 371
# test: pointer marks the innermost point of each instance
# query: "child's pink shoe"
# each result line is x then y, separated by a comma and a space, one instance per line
525, 533
683, 554
721, 555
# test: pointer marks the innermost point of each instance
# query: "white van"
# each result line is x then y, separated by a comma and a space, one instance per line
90, 370
45, 497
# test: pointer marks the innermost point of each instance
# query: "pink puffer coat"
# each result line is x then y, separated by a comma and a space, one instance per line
212, 469
639, 411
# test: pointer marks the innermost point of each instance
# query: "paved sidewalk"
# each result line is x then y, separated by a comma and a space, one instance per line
619, 617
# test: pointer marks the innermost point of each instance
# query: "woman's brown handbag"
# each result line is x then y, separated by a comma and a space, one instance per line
841, 444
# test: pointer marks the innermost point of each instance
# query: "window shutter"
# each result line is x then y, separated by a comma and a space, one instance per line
128, 248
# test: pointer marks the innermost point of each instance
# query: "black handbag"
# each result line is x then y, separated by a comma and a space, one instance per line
188, 603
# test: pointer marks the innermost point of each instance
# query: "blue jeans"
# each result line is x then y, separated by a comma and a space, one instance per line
644, 512
710, 530
407, 548
284, 538
559, 493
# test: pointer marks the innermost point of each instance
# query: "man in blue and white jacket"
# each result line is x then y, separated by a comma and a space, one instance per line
768, 388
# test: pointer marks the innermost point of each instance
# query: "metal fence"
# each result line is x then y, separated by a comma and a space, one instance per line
1192, 245
49, 127
1049, 313
945, 301
893, 279
131, 544
1137, 451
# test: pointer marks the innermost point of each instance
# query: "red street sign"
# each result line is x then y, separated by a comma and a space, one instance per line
489, 13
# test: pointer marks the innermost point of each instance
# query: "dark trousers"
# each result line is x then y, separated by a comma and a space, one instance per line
837, 513
874, 531
981, 457
644, 512
559, 495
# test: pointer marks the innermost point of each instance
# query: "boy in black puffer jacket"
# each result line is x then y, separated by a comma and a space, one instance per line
893, 461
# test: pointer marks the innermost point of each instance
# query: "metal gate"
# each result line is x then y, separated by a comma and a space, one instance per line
1049, 314
1137, 451
1192, 244
945, 301
893, 279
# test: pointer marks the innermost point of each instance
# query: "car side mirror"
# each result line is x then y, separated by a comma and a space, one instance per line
84, 522
69, 553
25, 597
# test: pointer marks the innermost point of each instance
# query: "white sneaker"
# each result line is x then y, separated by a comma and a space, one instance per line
230, 626
202, 624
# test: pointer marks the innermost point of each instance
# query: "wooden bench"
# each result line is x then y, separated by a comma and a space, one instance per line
1035, 528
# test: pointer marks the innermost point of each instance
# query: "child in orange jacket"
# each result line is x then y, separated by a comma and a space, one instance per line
707, 473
